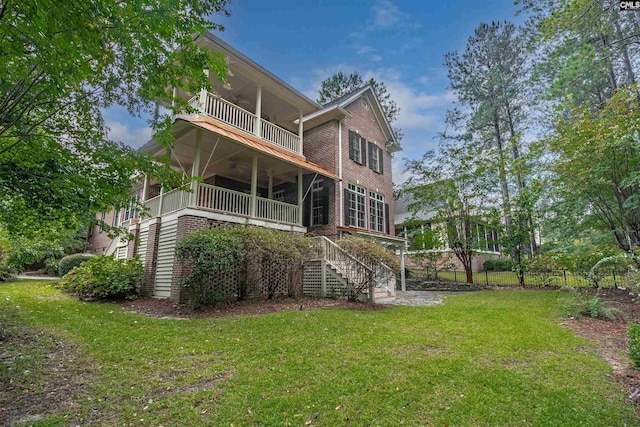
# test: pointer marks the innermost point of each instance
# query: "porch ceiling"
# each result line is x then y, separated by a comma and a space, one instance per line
225, 151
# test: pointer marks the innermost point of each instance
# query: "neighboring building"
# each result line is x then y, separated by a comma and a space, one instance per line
408, 224
268, 156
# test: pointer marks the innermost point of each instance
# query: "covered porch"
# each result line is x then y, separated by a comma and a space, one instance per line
237, 176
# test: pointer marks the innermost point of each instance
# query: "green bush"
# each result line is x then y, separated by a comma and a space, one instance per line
497, 265
213, 252
104, 277
69, 262
370, 252
581, 304
634, 343
234, 263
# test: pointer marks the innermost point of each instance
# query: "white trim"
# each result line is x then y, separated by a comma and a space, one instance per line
234, 219
340, 173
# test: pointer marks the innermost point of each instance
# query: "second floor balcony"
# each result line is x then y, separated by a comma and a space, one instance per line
218, 108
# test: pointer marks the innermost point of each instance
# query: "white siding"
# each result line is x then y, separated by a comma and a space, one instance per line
142, 245
166, 253
121, 252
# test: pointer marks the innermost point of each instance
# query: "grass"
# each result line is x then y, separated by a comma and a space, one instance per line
510, 278
472, 361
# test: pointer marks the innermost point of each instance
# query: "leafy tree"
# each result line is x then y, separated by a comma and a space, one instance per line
488, 78
428, 247
596, 170
456, 186
61, 67
341, 84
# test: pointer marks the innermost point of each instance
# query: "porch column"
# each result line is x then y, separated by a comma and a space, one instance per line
254, 186
403, 285
258, 130
203, 94
270, 187
195, 169
145, 185
300, 132
160, 200
300, 199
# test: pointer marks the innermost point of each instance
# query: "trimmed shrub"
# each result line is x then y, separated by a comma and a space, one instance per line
69, 262
497, 265
104, 277
634, 343
229, 264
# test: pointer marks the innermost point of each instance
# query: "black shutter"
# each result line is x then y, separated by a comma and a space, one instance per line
352, 142
363, 147
371, 148
386, 218
347, 202
381, 157
325, 204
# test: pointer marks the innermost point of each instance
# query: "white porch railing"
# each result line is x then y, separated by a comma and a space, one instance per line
236, 202
229, 113
174, 200
276, 211
153, 204
279, 136
222, 199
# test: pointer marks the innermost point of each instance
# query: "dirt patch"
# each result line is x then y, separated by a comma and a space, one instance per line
165, 308
39, 375
611, 339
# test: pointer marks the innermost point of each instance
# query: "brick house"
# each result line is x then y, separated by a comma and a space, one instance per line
266, 156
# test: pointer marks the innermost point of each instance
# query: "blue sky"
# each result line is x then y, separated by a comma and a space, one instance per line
401, 43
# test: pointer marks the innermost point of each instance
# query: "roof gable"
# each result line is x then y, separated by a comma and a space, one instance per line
376, 107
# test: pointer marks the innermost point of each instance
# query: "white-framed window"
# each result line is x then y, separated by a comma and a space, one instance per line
375, 159
317, 203
356, 204
376, 211
357, 148
278, 196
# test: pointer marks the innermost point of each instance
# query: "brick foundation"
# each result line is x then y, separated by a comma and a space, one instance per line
186, 224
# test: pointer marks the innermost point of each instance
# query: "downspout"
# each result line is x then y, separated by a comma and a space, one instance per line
341, 192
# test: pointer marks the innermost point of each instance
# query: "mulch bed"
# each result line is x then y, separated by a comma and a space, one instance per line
166, 308
611, 339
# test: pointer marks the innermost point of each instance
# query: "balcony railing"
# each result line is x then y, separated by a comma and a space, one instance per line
220, 199
228, 113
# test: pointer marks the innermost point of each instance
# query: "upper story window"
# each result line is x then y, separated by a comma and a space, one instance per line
376, 211
376, 158
355, 206
278, 195
357, 148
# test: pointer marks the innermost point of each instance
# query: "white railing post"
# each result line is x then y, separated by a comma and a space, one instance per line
403, 285
202, 103
323, 271
258, 125
254, 185
195, 169
300, 132
300, 197
160, 200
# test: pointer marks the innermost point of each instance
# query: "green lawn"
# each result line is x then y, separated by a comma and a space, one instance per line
510, 278
487, 359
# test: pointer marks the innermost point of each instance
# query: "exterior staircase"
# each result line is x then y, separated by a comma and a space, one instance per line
335, 272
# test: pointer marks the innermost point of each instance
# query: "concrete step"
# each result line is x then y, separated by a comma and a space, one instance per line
385, 300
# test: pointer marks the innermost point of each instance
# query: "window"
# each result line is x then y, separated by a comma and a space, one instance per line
356, 206
357, 148
114, 222
278, 196
103, 214
317, 203
376, 211
375, 158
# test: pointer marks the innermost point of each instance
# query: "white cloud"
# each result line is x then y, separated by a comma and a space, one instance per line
132, 136
376, 58
386, 14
